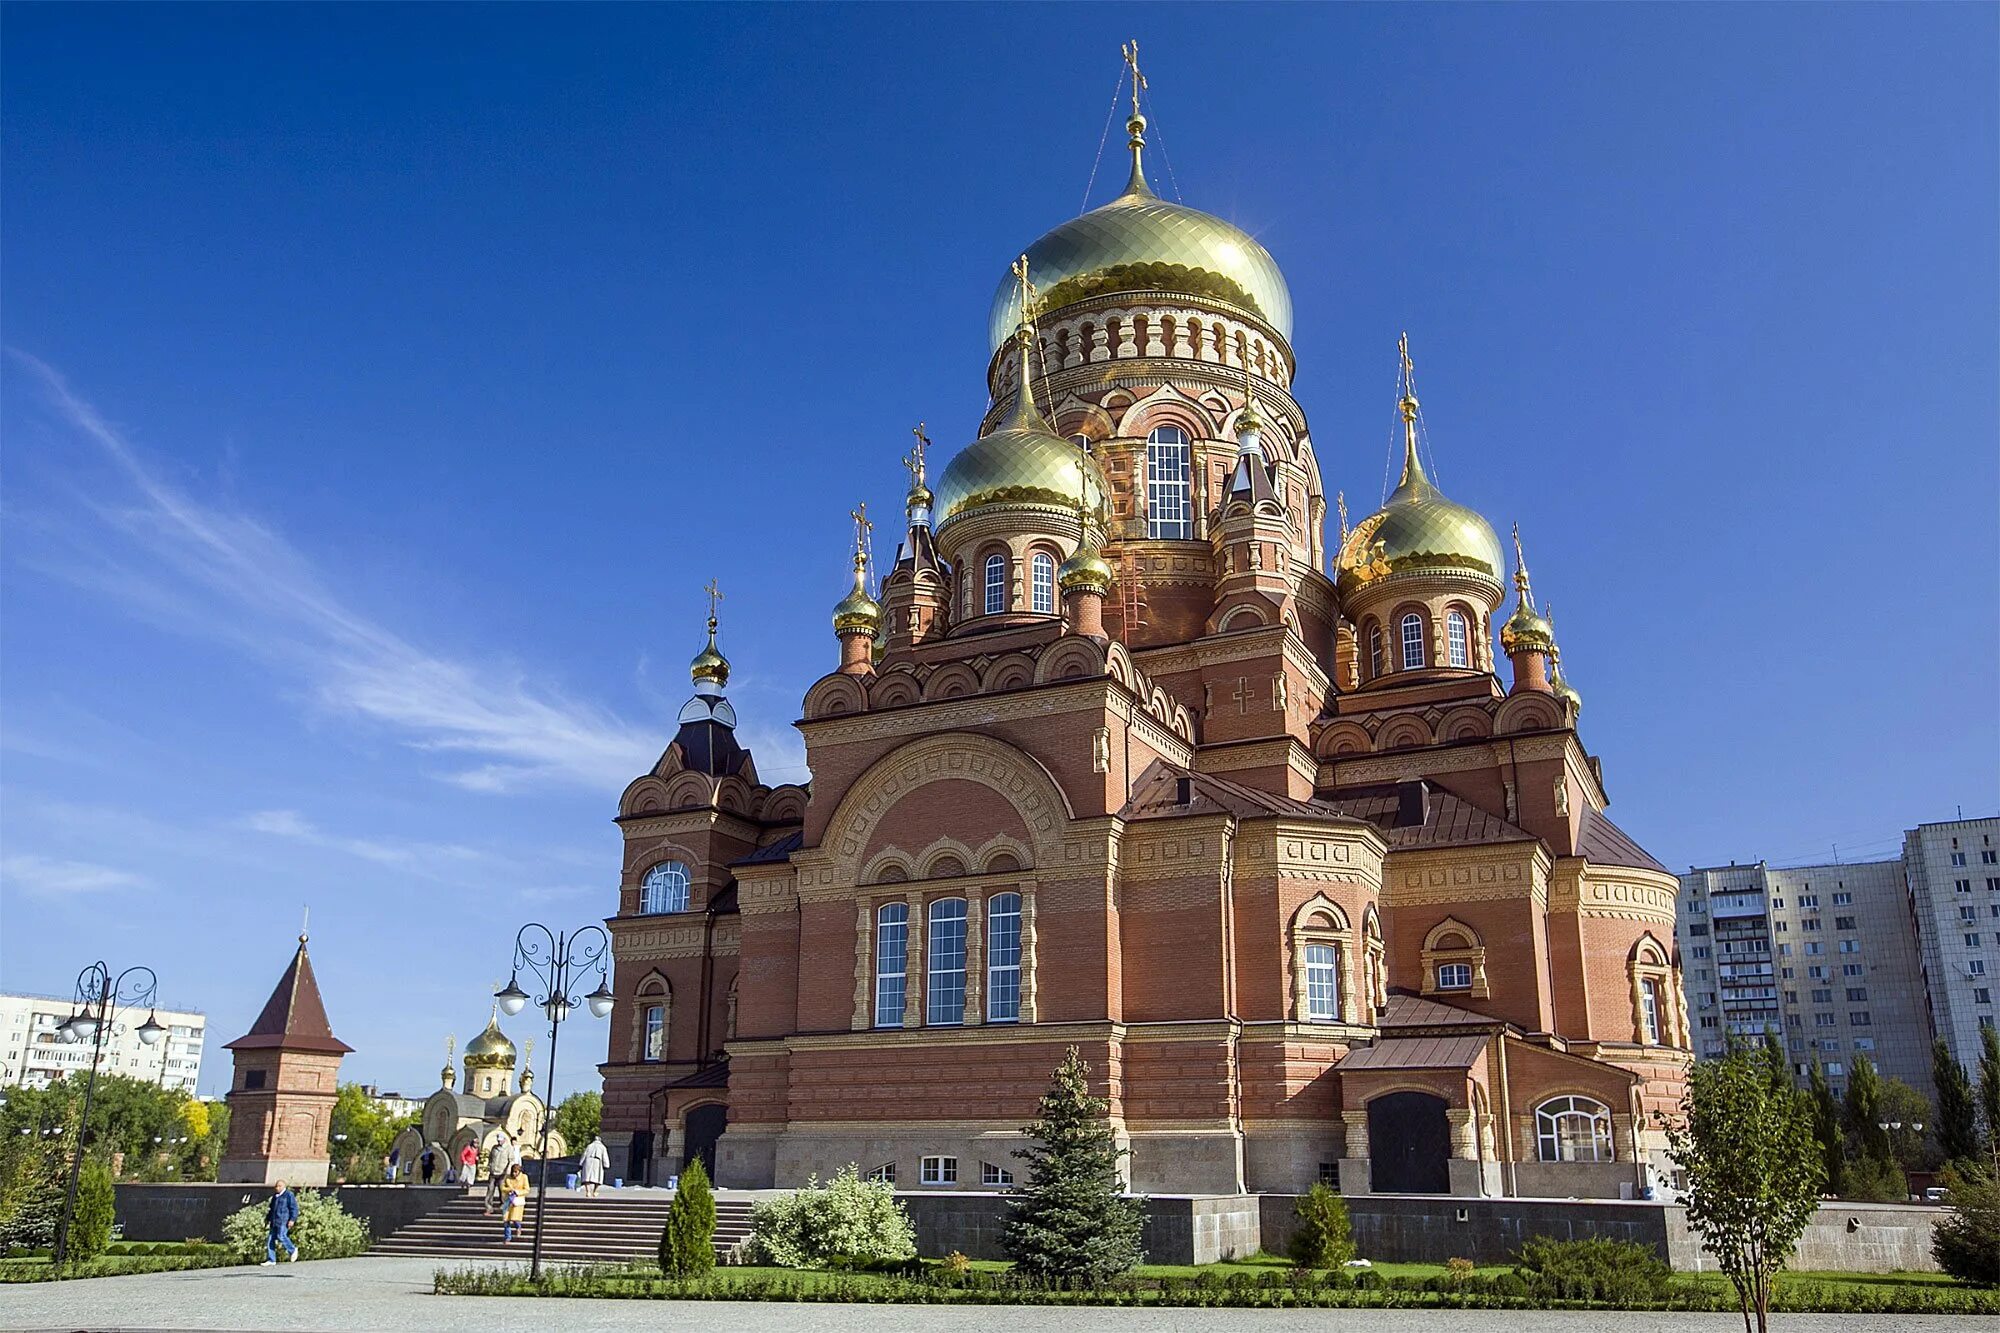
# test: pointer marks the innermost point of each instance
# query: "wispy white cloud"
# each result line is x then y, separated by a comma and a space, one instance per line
54, 876
210, 570
421, 857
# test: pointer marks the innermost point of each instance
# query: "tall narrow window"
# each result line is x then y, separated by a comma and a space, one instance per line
1003, 958
1374, 651
1169, 515
1413, 641
892, 946
665, 888
1457, 641
945, 1002
1322, 985
1649, 1005
656, 1032
996, 584
1042, 583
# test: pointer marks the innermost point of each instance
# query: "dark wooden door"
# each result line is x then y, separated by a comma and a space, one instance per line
704, 1126
639, 1169
1409, 1144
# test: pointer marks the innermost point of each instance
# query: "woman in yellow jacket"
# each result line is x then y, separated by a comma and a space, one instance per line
515, 1190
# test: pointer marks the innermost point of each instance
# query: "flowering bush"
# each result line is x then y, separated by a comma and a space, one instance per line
324, 1229
846, 1223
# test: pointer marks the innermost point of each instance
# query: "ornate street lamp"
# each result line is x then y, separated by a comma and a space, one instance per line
558, 964
99, 997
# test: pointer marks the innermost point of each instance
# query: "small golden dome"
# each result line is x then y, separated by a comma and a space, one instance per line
1086, 570
857, 613
1526, 631
1021, 463
1419, 531
490, 1049
1567, 692
709, 664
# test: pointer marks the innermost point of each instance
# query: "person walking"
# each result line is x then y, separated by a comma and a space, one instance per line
279, 1214
517, 1204
390, 1163
468, 1163
429, 1164
499, 1163
592, 1165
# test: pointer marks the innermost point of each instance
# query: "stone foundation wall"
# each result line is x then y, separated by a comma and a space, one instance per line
197, 1211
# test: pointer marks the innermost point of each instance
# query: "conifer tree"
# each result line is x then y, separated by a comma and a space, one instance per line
687, 1242
1826, 1130
1871, 1172
1989, 1092
1070, 1216
1957, 1120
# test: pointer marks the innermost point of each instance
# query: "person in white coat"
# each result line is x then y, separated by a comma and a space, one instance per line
591, 1167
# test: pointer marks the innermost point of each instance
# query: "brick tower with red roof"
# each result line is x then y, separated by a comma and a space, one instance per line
281, 1093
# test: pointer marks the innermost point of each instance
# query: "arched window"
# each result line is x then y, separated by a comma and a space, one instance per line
1649, 1008
1003, 958
665, 888
655, 1047
892, 947
1042, 583
1413, 641
1169, 515
1458, 642
996, 583
1374, 650
1322, 984
945, 999
1573, 1129
1454, 976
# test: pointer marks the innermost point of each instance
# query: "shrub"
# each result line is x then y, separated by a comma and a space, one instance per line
846, 1223
1966, 1242
687, 1243
1324, 1238
956, 1264
1457, 1271
90, 1222
1613, 1271
324, 1229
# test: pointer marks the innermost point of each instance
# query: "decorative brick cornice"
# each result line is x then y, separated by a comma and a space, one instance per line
1467, 875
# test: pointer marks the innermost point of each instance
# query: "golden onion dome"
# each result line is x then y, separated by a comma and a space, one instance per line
490, 1049
1141, 243
1086, 570
1567, 692
1419, 531
858, 613
1525, 630
1021, 463
709, 665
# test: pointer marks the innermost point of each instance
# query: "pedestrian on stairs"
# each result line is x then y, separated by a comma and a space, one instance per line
468, 1163
499, 1164
429, 1164
591, 1166
516, 1185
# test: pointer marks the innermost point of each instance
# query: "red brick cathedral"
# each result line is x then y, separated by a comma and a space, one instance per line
1120, 756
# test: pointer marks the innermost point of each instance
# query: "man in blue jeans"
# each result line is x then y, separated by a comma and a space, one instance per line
279, 1214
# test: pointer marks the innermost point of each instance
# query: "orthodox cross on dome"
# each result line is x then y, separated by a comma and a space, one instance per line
914, 460
1130, 50
1521, 571
1340, 503
1020, 271
1135, 128
714, 592
1407, 400
862, 527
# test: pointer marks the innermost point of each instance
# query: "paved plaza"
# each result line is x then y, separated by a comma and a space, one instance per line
394, 1294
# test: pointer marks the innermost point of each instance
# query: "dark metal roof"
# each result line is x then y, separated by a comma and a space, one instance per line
294, 1018
1600, 840
707, 746
1446, 820
1414, 1011
781, 850
1157, 795
1418, 1053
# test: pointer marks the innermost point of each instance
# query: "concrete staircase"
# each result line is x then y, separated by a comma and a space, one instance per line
612, 1228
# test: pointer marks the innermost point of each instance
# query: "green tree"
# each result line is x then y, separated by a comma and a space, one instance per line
1989, 1092
1753, 1170
1826, 1129
96, 1206
687, 1242
1070, 1217
1911, 1148
1957, 1114
578, 1118
1966, 1242
1871, 1172
1325, 1236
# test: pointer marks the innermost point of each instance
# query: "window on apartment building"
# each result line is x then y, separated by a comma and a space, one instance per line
1834, 1069
1786, 973
1992, 884
1785, 950
1793, 1021
1986, 1020
1958, 858
1698, 928
1989, 857
1852, 969
1962, 885
1823, 1020
1857, 994
1782, 926
1823, 996
1968, 914
1003, 958
1843, 923
1982, 995
1703, 951
1809, 900
996, 583
1864, 1043
1810, 923
1858, 1019
945, 954
892, 946
1710, 1021
1815, 947
1826, 1045
1850, 946
1976, 967
1816, 971
1791, 997
940, 1171
1972, 939
1843, 900
1778, 904
1573, 1129
990, 1174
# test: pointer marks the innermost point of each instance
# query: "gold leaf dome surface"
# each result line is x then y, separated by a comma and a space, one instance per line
1085, 569
857, 613
1020, 463
1418, 531
490, 1048
1141, 243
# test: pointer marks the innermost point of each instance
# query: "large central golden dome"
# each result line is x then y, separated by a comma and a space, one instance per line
1141, 243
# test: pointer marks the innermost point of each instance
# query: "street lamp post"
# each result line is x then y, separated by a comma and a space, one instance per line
558, 963
99, 997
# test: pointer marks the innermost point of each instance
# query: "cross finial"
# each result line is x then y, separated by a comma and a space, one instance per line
1020, 269
1130, 50
1340, 503
305, 922
714, 591
862, 527
1408, 401
1521, 571
914, 461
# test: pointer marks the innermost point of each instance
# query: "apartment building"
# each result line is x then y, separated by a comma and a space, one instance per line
1953, 872
33, 1052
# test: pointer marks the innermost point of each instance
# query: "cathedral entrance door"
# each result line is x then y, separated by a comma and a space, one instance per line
704, 1126
639, 1167
1409, 1144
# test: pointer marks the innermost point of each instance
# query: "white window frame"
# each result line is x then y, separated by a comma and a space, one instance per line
989, 1174
1573, 1129
996, 584
1323, 983
892, 956
1458, 639
944, 962
1003, 958
1375, 660
653, 1045
670, 894
939, 1171
1169, 510
1410, 635
1042, 583
1649, 1008
1454, 976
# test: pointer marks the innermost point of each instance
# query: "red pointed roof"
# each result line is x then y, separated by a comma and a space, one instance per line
294, 1018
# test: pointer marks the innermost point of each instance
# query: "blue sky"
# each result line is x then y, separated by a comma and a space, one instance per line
382, 384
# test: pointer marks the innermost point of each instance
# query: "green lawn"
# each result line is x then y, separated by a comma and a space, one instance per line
40, 1268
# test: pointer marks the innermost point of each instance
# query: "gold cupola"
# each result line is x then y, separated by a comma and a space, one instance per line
858, 613
1087, 570
1141, 243
1418, 531
1563, 689
710, 669
1526, 631
490, 1049
1022, 463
